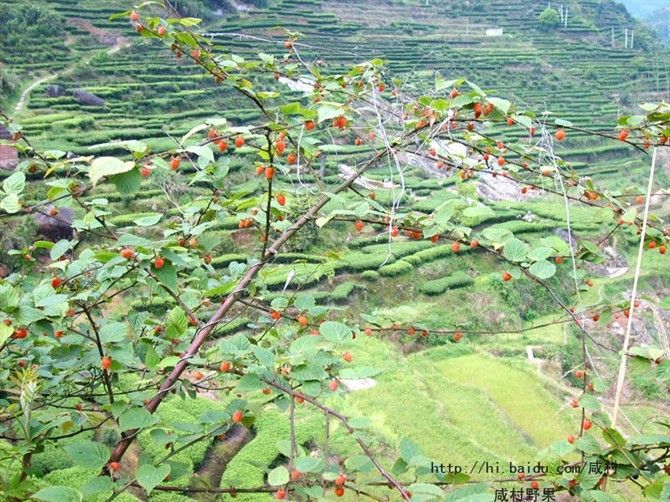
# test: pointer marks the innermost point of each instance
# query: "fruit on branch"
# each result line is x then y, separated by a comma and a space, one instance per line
145, 172
276, 315
662, 249
239, 142
587, 424
358, 142
368, 331
506, 277
623, 135
56, 282
291, 159
347, 357
574, 403
302, 320
134, 16
269, 173
394, 232
339, 491
281, 199
310, 125
280, 146
295, 475
571, 439
223, 146
58, 334
195, 54
560, 135
340, 122
474, 244
212, 134
20, 333
127, 253
207, 259
162, 31
534, 485
174, 163
454, 94
237, 416
280, 494
510, 121
651, 245
267, 391
435, 238
159, 263
559, 260
458, 336
359, 225
456, 247
501, 161
106, 362
114, 467
340, 480
225, 366
198, 375
579, 373
332, 385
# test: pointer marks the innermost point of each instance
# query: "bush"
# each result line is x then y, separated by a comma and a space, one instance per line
398, 268
549, 17
439, 286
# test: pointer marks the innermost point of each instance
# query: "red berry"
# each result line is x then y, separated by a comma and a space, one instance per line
269, 172
223, 146
58, 334
198, 375
20, 333
574, 403
56, 282
114, 467
267, 391
302, 320
295, 475
586, 424
162, 31
275, 315
281, 199
651, 245
507, 277
359, 225
291, 159
501, 161
571, 439
174, 163
579, 374
106, 362
134, 16
534, 485
560, 135
347, 357
662, 249
623, 135
457, 336
474, 244
145, 172
394, 232
456, 247
340, 480
332, 385
225, 366
239, 142
127, 253
159, 262
309, 125
339, 491
237, 416
280, 494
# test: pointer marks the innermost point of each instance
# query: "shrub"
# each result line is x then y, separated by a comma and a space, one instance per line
439, 286
398, 268
549, 17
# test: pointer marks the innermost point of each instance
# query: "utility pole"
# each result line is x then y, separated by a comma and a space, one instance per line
625, 43
612, 36
632, 38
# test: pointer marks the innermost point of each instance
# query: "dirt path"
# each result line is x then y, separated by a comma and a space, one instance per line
26, 92
24, 95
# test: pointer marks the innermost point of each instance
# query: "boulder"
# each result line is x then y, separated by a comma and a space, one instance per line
56, 227
87, 98
9, 157
55, 91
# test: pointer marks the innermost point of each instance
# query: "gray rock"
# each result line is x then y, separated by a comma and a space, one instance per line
55, 227
87, 98
55, 91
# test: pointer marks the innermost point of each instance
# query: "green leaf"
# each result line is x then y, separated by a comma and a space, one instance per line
501, 104
309, 464
59, 249
58, 494
127, 183
95, 485
148, 220
107, 166
113, 332
89, 454
136, 418
149, 476
614, 437
278, 476
11, 203
167, 275
336, 332
328, 111
16, 183
515, 250
359, 463
408, 450
5, 332
542, 269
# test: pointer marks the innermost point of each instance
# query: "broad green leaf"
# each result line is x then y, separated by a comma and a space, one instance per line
408, 450
336, 332
148, 220
11, 203
114, 332
309, 464
515, 250
614, 437
501, 104
149, 476
58, 494
136, 418
542, 269
107, 166
278, 476
89, 454
15, 184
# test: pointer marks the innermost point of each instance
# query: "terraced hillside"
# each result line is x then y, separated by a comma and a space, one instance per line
520, 382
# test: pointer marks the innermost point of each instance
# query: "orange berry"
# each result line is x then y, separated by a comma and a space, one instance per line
571, 439
347, 357
162, 31
302, 320
106, 362
332, 385
291, 159
56, 282
457, 336
174, 163
456, 247
662, 249
134, 16
276, 315
280, 146
560, 135
269, 173
239, 142
225, 366
127, 253
198, 375
310, 124
159, 262
507, 277
359, 225
223, 146
114, 467
586, 424
501, 161
281, 199
623, 134
474, 244
237, 416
